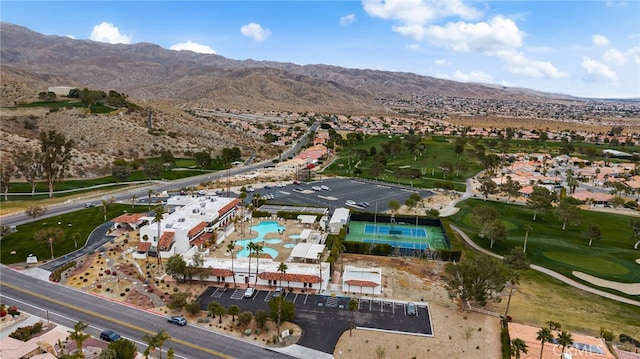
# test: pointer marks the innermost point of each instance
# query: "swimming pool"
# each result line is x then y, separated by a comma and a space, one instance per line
290, 245
261, 229
294, 236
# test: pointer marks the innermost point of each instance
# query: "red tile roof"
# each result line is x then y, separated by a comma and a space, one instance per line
228, 207
219, 272
165, 240
290, 277
197, 229
143, 247
362, 283
201, 239
128, 218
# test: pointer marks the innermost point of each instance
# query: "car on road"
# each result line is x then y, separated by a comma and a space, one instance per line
267, 187
299, 189
350, 203
296, 182
280, 185
366, 204
249, 292
411, 309
316, 188
109, 336
251, 189
324, 187
178, 320
89, 205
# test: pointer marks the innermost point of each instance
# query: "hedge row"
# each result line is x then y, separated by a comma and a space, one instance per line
26, 333
56, 275
294, 215
625, 338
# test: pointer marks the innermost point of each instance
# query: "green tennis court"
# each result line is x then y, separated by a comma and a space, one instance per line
403, 236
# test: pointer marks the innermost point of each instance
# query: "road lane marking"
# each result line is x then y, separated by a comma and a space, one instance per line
124, 324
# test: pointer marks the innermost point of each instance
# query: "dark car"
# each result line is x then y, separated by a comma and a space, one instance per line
109, 336
178, 320
411, 308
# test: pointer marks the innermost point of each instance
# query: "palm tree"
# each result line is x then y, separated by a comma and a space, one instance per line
161, 337
158, 219
233, 310
78, 336
220, 310
230, 247
250, 247
565, 339
282, 269
149, 193
513, 278
544, 336
133, 200
320, 267
353, 307
106, 203
527, 229
518, 346
258, 249
152, 345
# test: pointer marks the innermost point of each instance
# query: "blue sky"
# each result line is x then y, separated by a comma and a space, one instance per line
581, 48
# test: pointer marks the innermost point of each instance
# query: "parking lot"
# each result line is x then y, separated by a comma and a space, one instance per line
325, 318
339, 192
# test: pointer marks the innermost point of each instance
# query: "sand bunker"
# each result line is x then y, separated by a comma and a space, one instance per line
627, 288
638, 260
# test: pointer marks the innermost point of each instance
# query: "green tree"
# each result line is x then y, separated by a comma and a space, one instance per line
261, 318
121, 173
544, 335
120, 349
476, 279
159, 213
230, 248
250, 247
394, 205
7, 171
565, 339
487, 187
106, 203
511, 188
220, 310
56, 156
152, 169
282, 269
567, 213
482, 215
258, 249
496, 231
192, 308
29, 164
152, 345
203, 159
176, 267
78, 336
539, 200
518, 346
51, 235
244, 318
233, 310
594, 233
354, 305
527, 229
212, 308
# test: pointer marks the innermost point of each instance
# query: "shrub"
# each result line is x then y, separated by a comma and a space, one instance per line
26, 333
505, 340
56, 275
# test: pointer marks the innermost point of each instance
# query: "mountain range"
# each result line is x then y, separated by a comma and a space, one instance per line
187, 79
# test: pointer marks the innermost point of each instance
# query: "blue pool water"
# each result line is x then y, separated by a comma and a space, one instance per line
289, 245
261, 229
294, 236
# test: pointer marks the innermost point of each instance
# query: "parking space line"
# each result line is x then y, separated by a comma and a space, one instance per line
306, 296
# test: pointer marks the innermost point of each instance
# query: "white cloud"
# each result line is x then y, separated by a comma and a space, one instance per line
413, 15
616, 3
70, 36
597, 71
255, 31
347, 19
106, 32
413, 47
600, 40
499, 33
634, 52
517, 63
614, 57
442, 62
473, 76
442, 76
193, 46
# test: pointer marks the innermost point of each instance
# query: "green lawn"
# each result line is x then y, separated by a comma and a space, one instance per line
82, 222
429, 162
612, 258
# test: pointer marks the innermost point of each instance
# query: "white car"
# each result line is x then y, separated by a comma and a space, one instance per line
316, 188
249, 292
280, 185
251, 189
350, 203
324, 187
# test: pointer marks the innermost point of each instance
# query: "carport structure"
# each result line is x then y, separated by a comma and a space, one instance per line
307, 252
307, 220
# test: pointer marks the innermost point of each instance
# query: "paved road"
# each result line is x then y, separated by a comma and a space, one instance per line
551, 273
130, 322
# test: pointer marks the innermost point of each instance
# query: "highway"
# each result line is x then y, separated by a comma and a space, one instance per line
67, 306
